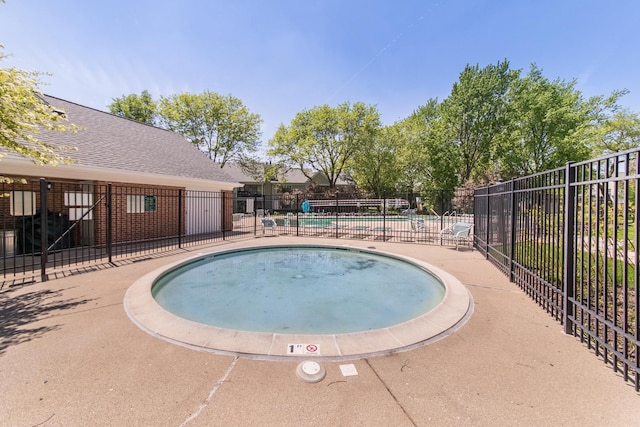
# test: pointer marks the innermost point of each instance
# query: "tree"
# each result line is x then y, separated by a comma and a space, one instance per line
24, 114
325, 139
619, 132
221, 126
473, 117
374, 166
546, 130
421, 158
141, 108
614, 128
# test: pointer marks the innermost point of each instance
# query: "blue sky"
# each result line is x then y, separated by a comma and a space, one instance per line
280, 57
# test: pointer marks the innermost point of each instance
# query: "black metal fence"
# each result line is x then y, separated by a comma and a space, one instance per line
569, 238
406, 218
61, 227
50, 228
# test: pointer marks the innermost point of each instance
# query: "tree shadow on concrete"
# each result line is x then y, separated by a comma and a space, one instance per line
20, 313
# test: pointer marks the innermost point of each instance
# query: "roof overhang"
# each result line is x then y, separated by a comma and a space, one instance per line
22, 167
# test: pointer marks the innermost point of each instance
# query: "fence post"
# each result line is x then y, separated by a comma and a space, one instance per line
488, 224
255, 215
512, 243
297, 214
337, 208
224, 215
180, 195
384, 219
568, 255
44, 242
441, 211
109, 228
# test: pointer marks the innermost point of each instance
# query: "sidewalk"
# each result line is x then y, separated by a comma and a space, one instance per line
70, 356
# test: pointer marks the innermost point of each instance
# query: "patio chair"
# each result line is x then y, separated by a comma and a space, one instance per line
460, 232
419, 228
281, 222
268, 224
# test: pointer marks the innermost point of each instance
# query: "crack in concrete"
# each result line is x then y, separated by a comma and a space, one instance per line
213, 391
391, 393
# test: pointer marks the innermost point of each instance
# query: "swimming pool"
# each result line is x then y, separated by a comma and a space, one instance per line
330, 219
419, 325
299, 290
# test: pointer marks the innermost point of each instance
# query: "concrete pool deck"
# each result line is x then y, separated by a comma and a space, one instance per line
70, 356
449, 315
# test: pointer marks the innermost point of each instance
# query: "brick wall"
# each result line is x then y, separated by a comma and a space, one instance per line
138, 212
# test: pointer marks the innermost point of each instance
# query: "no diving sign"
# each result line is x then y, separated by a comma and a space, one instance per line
303, 349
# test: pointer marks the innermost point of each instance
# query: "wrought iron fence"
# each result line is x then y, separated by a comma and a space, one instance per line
56, 227
407, 218
569, 238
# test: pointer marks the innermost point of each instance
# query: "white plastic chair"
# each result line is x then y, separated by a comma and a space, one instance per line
460, 232
268, 224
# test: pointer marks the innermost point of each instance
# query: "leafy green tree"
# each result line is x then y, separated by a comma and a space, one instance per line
614, 128
420, 158
547, 126
221, 126
619, 132
24, 114
325, 139
141, 108
473, 117
374, 166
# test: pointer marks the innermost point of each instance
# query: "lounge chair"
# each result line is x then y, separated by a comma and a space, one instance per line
419, 228
281, 222
460, 232
268, 224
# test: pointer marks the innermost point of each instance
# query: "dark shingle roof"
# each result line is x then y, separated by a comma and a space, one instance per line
109, 141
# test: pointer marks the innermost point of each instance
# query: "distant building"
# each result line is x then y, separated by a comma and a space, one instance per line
265, 192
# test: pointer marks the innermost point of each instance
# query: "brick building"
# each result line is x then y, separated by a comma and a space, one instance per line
157, 182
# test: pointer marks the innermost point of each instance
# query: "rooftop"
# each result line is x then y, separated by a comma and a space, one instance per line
107, 141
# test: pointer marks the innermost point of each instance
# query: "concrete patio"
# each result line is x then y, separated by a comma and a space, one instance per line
70, 356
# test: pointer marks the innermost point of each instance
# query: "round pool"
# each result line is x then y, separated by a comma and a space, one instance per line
274, 301
299, 290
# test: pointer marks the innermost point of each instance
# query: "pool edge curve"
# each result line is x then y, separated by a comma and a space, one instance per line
448, 316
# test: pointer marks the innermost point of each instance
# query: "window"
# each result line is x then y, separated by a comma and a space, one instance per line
22, 203
77, 198
140, 204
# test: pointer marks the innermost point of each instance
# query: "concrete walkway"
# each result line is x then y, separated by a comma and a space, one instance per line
70, 356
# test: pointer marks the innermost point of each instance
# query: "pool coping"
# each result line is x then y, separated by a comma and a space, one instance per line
448, 316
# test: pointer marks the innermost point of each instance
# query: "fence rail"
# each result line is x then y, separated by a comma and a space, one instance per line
569, 238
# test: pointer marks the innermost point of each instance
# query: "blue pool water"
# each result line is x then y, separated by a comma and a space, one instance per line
298, 290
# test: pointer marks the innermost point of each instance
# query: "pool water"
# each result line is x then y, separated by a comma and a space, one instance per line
326, 220
299, 290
